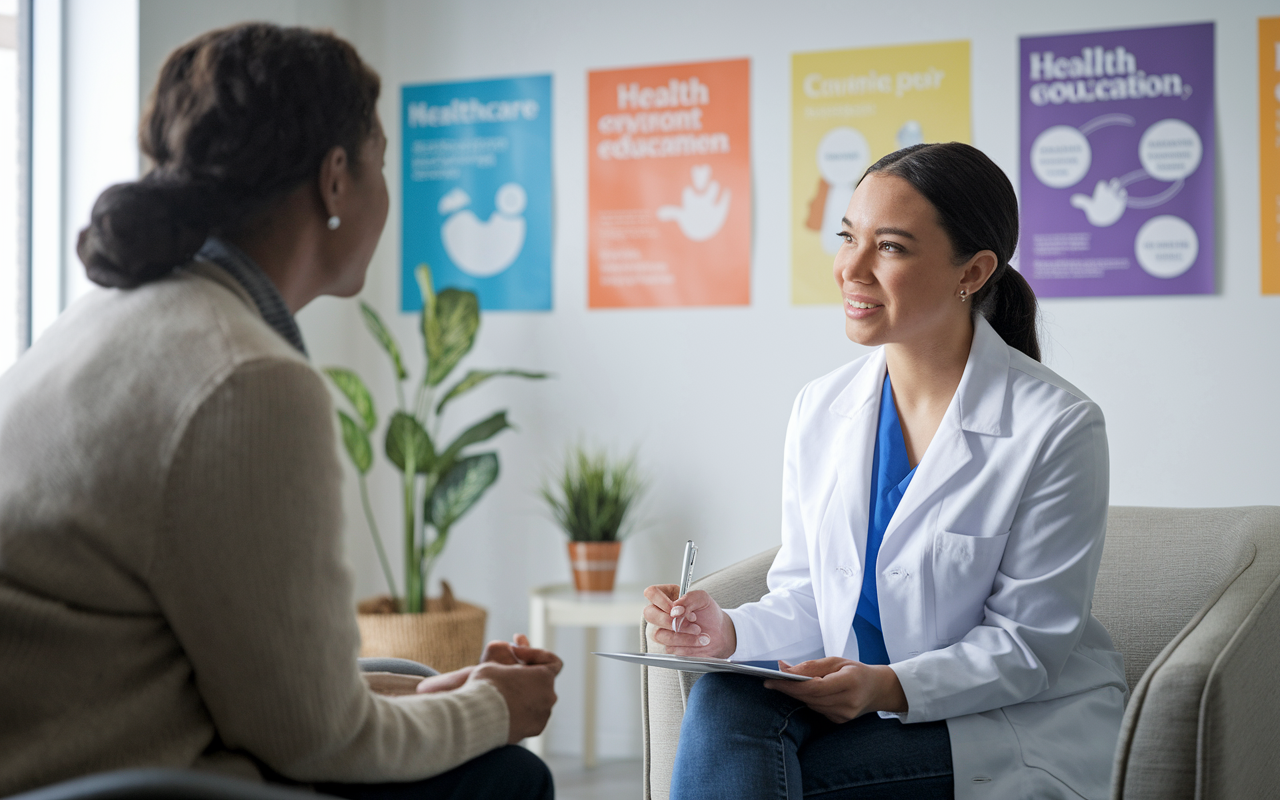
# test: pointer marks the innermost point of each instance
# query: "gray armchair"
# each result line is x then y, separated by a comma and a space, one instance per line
1190, 598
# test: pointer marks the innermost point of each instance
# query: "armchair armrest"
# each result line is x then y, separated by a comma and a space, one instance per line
396, 666
1204, 720
164, 784
663, 691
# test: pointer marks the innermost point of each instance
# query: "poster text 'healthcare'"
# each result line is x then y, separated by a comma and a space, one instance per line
477, 190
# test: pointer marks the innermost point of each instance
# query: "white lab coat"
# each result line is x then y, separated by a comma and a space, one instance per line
985, 574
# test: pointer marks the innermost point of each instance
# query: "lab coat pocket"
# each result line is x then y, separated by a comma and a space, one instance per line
964, 571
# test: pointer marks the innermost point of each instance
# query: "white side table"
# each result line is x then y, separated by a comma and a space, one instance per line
561, 604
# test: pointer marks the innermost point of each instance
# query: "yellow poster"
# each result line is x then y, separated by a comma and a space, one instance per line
849, 108
1269, 144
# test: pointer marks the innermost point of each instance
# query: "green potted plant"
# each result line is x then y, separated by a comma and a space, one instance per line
593, 499
439, 482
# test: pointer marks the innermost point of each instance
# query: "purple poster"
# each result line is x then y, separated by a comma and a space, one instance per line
1117, 162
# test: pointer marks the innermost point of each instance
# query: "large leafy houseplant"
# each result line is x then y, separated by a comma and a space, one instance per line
439, 483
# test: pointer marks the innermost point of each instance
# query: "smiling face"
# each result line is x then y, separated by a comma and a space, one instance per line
896, 269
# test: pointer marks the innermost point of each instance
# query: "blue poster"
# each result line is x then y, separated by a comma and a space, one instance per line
477, 190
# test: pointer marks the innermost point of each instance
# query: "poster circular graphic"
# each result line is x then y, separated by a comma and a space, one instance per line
843, 154
1060, 156
1166, 246
1170, 150
511, 199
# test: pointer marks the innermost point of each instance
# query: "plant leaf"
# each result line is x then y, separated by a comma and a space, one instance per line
428, 292
478, 376
461, 488
485, 429
354, 390
450, 320
374, 323
407, 439
356, 440
592, 497
428, 321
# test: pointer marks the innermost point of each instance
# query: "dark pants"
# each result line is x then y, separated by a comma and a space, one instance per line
508, 772
741, 740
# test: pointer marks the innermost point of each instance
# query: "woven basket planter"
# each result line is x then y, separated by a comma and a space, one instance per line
449, 636
595, 564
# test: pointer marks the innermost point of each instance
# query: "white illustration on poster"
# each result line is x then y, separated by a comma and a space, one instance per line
483, 249
1169, 151
704, 207
910, 133
1166, 246
843, 154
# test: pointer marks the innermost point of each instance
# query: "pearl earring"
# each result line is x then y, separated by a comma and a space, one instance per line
334, 222
963, 293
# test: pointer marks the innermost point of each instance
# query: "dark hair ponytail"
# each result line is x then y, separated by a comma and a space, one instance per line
978, 209
238, 119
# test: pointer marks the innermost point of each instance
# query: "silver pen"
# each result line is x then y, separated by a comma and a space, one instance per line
686, 576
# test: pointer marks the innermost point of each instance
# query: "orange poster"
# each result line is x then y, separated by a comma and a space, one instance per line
1269, 144
669, 186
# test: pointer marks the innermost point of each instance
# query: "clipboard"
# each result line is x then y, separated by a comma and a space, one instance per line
700, 664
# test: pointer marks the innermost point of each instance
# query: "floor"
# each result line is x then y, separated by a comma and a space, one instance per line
609, 780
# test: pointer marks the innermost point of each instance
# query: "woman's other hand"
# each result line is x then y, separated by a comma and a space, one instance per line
693, 625
842, 689
518, 651
524, 676
529, 692
495, 652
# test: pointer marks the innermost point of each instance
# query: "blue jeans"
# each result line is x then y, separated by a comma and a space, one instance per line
508, 773
741, 740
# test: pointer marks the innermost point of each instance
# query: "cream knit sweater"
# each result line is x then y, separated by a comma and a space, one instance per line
172, 584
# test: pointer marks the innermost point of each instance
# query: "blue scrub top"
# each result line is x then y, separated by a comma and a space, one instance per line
890, 475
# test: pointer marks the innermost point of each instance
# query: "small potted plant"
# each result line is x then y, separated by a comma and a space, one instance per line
592, 498
439, 482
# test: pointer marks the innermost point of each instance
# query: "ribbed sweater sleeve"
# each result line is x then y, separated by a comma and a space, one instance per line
249, 571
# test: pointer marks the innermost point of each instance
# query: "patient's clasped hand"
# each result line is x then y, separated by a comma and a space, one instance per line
524, 675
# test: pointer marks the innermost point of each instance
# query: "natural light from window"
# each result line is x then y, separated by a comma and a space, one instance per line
10, 318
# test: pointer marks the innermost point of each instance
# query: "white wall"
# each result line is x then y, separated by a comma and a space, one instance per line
1186, 382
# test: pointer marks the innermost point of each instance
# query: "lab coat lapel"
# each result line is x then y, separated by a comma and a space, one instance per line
843, 536
977, 407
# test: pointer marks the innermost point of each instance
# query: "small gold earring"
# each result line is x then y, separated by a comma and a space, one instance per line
963, 295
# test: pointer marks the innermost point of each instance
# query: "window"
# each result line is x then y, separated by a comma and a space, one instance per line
12, 280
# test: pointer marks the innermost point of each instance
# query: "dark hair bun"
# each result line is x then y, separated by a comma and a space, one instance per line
239, 118
139, 231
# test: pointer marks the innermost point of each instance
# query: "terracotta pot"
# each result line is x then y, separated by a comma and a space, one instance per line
448, 636
594, 565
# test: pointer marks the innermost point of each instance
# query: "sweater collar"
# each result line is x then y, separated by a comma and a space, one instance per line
270, 304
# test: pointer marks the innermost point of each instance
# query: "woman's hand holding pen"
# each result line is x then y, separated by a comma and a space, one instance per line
842, 689
692, 625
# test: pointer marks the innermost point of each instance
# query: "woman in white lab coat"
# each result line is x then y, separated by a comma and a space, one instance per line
944, 506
